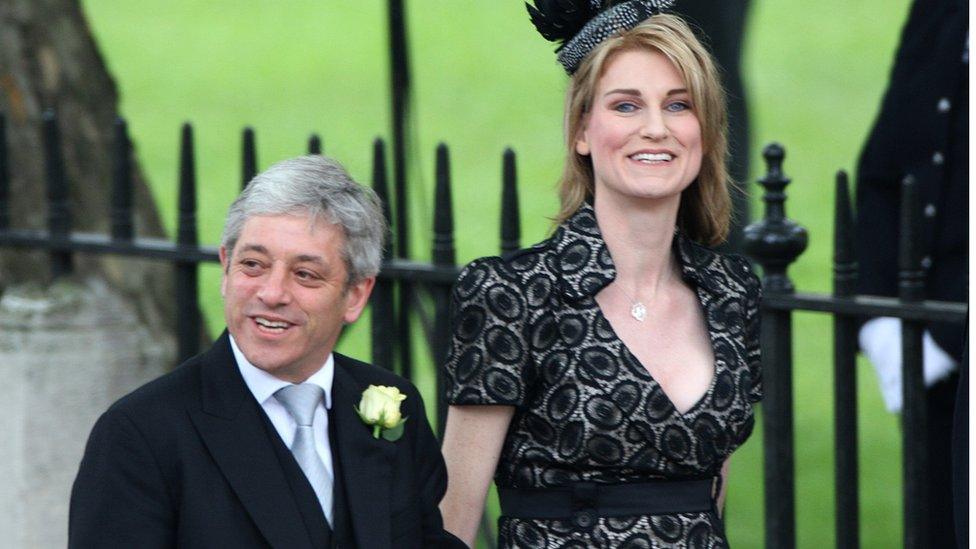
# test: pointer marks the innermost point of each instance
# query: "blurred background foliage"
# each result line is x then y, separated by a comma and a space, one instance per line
484, 80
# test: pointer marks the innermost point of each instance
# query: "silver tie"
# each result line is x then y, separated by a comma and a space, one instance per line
300, 401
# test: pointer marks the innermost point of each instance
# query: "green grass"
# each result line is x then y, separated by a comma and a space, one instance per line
483, 80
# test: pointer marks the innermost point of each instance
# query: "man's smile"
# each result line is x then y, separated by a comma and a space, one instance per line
271, 325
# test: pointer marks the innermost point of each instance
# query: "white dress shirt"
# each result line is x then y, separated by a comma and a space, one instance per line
264, 385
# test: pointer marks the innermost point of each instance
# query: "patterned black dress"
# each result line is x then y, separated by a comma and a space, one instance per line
528, 333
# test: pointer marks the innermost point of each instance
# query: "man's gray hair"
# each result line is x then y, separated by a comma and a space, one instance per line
320, 188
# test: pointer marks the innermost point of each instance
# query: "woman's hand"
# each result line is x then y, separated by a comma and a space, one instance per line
473, 440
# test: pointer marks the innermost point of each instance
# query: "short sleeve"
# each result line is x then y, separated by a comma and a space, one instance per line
752, 333
487, 355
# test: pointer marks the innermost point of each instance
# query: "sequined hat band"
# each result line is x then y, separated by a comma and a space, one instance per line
622, 16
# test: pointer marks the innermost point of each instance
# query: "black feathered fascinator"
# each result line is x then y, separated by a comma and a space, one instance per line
579, 25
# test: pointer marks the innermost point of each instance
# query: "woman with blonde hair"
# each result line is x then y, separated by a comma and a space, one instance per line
604, 376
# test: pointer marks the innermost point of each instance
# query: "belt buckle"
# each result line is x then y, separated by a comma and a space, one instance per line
583, 502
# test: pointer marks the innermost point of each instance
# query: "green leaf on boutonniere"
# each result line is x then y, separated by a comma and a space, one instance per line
393, 434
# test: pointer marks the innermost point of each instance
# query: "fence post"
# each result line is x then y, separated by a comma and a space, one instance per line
59, 212
187, 300
775, 242
4, 177
122, 228
911, 288
511, 228
382, 321
845, 374
249, 157
399, 94
314, 144
443, 254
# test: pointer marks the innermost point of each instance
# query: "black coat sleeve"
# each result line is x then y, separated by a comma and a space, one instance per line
119, 498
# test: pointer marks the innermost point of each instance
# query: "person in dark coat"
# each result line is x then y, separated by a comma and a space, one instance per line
269, 439
921, 133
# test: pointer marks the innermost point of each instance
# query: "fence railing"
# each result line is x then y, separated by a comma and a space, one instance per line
408, 289
775, 242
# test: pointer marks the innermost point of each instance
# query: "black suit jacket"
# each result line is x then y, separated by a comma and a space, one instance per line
191, 460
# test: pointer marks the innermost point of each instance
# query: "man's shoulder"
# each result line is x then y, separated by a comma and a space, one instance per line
163, 395
369, 374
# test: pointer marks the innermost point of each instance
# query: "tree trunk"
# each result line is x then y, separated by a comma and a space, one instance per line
49, 60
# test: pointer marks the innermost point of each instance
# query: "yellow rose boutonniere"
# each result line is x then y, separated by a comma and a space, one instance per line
380, 408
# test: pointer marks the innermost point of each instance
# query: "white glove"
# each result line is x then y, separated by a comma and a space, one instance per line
880, 341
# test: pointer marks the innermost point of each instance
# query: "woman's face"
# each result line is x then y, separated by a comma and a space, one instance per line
641, 133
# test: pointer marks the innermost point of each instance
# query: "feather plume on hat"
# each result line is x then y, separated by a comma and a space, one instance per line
579, 25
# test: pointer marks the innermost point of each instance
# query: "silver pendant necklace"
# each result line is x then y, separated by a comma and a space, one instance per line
637, 309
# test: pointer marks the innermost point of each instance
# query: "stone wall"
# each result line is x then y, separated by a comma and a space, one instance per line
66, 353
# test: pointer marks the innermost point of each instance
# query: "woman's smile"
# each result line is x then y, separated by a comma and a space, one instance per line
652, 157
642, 134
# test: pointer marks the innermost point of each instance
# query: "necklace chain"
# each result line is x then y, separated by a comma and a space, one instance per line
637, 309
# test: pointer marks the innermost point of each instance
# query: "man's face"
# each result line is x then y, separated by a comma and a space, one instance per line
285, 293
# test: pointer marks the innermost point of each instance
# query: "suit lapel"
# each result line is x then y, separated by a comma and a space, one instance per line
341, 526
230, 424
366, 462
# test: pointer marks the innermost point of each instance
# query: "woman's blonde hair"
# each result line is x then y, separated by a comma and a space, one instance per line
705, 205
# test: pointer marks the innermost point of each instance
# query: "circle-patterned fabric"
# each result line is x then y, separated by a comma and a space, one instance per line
528, 333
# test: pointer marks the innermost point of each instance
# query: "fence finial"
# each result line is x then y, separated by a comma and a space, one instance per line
511, 229
382, 318
4, 177
314, 144
775, 241
59, 210
187, 222
845, 261
443, 254
846, 497
381, 188
122, 228
443, 248
189, 327
249, 157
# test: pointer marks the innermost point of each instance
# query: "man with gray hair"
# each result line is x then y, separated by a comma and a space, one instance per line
270, 439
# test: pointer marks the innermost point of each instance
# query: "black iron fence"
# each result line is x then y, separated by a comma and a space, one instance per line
408, 291
775, 242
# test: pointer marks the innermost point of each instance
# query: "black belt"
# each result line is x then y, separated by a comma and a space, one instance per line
583, 502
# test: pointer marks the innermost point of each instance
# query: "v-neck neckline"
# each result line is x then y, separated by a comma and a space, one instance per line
585, 268
642, 370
